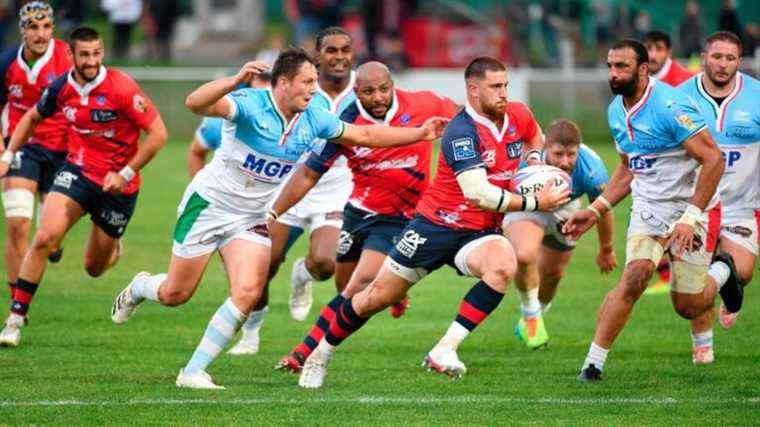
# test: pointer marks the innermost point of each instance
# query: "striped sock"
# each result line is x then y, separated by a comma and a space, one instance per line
22, 296
479, 302
320, 328
12, 289
255, 320
702, 339
345, 323
221, 329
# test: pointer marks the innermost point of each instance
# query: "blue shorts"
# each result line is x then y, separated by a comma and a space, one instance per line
110, 212
366, 230
424, 246
37, 164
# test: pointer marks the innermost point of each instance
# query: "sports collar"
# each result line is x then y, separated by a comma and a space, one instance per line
287, 127
34, 72
485, 121
389, 115
84, 91
638, 106
720, 110
335, 103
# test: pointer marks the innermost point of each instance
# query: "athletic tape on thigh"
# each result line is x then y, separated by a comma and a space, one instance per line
18, 203
460, 259
688, 278
643, 247
411, 275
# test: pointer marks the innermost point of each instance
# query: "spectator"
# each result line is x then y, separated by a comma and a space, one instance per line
691, 30
160, 19
6, 14
382, 30
728, 20
310, 16
71, 15
122, 14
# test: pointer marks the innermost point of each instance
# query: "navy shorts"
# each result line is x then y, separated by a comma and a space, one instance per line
366, 230
110, 212
426, 246
37, 164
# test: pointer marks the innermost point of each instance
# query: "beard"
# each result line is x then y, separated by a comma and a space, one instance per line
627, 89
714, 79
494, 111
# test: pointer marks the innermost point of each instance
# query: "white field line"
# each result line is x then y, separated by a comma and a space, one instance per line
381, 400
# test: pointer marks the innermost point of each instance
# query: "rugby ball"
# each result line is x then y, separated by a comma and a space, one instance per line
530, 180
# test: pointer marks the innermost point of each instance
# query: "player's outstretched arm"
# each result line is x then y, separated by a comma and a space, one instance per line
303, 180
388, 136
703, 149
208, 100
21, 135
154, 140
619, 187
196, 157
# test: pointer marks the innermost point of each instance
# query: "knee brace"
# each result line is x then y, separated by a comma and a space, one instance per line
18, 203
687, 278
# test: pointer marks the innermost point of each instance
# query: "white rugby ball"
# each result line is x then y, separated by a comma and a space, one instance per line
530, 180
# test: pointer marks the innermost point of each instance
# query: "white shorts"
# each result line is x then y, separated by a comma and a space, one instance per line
645, 223
203, 227
551, 222
323, 204
743, 232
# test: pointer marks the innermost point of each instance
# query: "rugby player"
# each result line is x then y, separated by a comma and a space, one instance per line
543, 246
672, 165
457, 222
26, 71
728, 100
225, 207
388, 183
105, 111
662, 66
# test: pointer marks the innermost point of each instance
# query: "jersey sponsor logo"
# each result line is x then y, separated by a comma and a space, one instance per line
64, 179
101, 99
103, 116
464, 149
345, 241
742, 116
739, 230
409, 244
448, 217
731, 157
409, 162
742, 132
116, 219
17, 160
266, 167
687, 122
139, 103
639, 163
334, 216
489, 157
514, 150
16, 91
69, 112
404, 119
362, 151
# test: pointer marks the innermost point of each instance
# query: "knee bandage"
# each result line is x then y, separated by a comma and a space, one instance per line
643, 247
411, 275
687, 278
18, 203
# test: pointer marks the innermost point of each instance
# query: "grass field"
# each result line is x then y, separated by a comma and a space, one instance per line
76, 367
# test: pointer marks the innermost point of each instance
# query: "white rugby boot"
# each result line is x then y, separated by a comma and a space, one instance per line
314, 369
300, 293
702, 355
199, 380
10, 336
444, 360
248, 344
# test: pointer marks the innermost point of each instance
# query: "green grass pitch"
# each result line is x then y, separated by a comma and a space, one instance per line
76, 367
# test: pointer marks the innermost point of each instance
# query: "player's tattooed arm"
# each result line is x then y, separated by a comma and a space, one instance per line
21, 135
208, 100
389, 136
618, 188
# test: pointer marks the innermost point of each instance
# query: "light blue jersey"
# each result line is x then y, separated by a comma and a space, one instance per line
589, 176
735, 127
651, 134
259, 149
209, 133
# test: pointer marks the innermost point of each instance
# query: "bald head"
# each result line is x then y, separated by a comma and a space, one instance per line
374, 88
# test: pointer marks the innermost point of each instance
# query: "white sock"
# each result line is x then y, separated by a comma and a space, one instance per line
719, 271
324, 347
545, 308
254, 322
302, 274
596, 356
529, 303
221, 329
147, 288
454, 336
702, 339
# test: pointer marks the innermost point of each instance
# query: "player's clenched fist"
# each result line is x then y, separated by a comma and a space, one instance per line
114, 183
